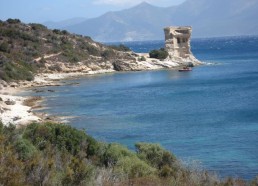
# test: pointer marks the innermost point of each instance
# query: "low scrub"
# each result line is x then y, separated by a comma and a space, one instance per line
159, 54
57, 154
16, 71
120, 47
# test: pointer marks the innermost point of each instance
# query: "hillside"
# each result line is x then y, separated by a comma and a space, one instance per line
29, 49
26, 49
208, 18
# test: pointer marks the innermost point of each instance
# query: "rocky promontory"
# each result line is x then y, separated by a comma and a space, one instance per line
32, 55
29, 49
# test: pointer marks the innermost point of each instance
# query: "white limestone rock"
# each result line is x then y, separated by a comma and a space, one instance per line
178, 44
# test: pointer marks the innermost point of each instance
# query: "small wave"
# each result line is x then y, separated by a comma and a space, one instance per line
211, 63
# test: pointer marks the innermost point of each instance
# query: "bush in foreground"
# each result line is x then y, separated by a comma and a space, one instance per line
57, 154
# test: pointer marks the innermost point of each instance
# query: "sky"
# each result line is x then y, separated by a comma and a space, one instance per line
40, 11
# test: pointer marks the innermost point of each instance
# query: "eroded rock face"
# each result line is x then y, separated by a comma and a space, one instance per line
178, 44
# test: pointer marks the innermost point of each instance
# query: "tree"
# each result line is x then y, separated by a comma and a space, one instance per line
155, 155
13, 21
159, 54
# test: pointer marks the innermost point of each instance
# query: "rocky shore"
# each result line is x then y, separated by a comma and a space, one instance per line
18, 110
31, 55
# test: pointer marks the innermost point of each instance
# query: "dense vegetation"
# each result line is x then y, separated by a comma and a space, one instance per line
159, 54
22, 45
120, 47
57, 154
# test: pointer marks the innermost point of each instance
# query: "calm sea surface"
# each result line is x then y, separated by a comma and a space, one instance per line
209, 114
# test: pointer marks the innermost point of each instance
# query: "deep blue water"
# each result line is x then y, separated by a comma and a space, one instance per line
209, 114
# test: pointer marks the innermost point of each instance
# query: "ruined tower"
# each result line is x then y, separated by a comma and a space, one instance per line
178, 44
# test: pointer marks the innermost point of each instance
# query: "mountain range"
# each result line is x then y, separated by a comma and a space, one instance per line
208, 18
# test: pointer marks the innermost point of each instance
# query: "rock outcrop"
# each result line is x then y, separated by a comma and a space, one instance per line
177, 44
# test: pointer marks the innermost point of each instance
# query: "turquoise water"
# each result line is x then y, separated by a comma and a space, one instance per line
209, 114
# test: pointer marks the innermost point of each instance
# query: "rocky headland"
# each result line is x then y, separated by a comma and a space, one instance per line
32, 55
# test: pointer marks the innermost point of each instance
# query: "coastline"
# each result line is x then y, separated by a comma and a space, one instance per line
18, 110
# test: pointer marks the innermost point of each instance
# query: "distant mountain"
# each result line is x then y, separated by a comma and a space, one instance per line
142, 22
208, 18
211, 18
64, 23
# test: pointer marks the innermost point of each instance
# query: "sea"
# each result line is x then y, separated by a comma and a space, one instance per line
207, 118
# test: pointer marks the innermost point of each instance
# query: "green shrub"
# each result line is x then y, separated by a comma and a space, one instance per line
155, 155
4, 47
114, 153
120, 47
87, 38
1, 127
57, 31
64, 32
133, 167
108, 54
55, 67
17, 34
54, 154
62, 136
159, 54
8, 130
13, 21
24, 148
38, 27
142, 58
78, 172
11, 71
167, 171
11, 168
93, 147
92, 50
71, 55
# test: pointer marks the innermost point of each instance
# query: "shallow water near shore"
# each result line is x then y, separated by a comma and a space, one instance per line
209, 114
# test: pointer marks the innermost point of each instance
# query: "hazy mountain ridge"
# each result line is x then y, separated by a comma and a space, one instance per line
145, 22
64, 23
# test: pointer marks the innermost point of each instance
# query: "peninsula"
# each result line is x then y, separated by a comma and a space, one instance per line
32, 55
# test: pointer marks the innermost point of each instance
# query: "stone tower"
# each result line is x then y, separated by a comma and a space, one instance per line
177, 44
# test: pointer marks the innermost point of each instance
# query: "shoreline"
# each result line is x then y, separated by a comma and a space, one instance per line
18, 110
